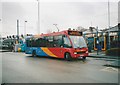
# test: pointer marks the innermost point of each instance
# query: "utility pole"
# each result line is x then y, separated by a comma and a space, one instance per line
56, 27
97, 40
108, 25
38, 18
17, 41
25, 27
17, 29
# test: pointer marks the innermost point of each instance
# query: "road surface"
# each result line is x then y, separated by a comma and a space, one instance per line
22, 68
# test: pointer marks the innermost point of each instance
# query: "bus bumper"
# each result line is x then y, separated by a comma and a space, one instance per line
80, 55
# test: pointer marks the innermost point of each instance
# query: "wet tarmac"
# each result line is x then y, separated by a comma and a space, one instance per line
22, 68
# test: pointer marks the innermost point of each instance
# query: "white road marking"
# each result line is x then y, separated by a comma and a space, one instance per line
110, 69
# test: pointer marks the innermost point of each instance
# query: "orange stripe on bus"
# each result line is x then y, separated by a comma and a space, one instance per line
48, 52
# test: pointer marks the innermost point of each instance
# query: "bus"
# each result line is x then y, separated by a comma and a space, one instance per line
8, 44
68, 44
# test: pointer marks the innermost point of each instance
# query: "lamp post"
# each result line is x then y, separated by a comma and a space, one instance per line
25, 27
17, 29
108, 24
97, 40
56, 27
38, 18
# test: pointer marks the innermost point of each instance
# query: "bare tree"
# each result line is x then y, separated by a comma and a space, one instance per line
92, 30
80, 28
49, 30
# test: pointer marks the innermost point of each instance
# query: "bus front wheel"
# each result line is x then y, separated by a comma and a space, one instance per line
68, 57
34, 53
84, 58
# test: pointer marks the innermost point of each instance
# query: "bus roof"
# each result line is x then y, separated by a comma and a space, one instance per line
66, 32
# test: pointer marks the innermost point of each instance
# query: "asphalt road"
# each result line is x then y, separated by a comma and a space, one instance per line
21, 68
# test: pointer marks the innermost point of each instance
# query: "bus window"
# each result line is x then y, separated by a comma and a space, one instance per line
33, 43
78, 41
28, 42
49, 41
67, 43
37, 42
43, 42
58, 41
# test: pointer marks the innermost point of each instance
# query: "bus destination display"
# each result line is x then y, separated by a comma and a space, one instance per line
76, 33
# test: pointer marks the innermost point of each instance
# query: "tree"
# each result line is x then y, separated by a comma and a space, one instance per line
91, 30
9, 37
119, 26
13, 36
22, 36
80, 28
49, 31
118, 31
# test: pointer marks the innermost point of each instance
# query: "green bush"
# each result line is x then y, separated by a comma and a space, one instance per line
113, 52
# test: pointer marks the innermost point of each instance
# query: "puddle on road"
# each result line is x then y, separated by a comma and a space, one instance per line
110, 69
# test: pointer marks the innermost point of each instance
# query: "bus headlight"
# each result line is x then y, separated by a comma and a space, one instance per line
86, 51
75, 52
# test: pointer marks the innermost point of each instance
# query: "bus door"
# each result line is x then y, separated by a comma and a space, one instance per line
90, 43
101, 42
63, 44
60, 45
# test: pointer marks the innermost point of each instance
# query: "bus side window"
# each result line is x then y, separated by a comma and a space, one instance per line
38, 42
42, 42
58, 41
30, 43
49, 41
67, 43
27, 43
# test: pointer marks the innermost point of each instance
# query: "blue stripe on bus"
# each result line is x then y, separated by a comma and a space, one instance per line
38, 50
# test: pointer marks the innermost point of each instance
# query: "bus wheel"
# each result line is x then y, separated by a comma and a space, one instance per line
34, 53
68, 57
84, 58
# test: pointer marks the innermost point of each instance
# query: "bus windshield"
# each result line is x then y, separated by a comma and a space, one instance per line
78, 41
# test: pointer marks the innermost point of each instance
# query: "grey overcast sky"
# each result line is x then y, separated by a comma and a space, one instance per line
67, 14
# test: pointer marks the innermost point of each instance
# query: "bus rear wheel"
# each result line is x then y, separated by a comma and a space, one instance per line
68, 57
34, 53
